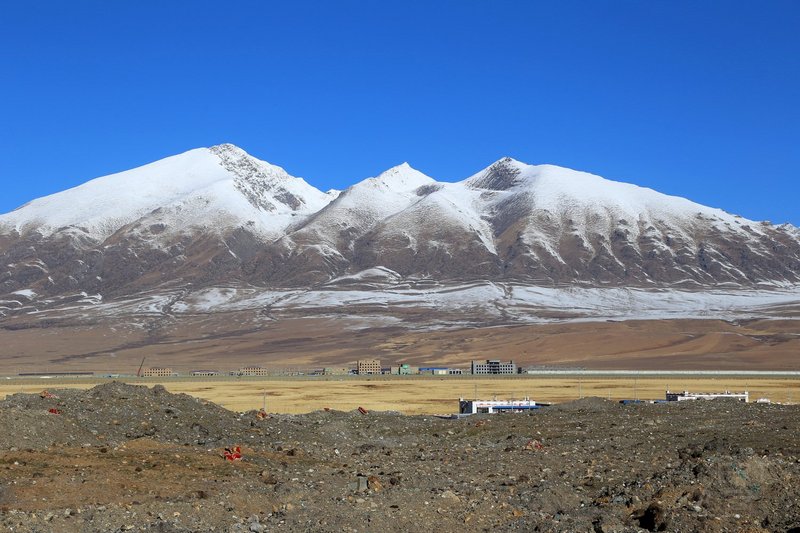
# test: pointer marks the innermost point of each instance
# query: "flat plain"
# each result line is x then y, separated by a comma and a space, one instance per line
426, 394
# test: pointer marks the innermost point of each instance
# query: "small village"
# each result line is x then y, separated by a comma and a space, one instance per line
493, 368
362, 367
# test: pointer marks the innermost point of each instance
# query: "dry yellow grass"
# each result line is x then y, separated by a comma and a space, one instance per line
425, 395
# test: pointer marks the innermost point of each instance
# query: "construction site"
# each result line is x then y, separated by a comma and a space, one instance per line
120, 457
252, 451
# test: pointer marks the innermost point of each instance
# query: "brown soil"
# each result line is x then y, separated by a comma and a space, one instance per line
199, 342
121, 457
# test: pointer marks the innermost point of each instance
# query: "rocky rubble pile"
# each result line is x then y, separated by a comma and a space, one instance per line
117, 412
129, 458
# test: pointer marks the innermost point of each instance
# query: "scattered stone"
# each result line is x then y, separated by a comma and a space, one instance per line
698, 467
374, 483
450, 495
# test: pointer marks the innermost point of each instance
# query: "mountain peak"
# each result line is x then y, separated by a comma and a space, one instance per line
501, 175
402, 177
401, 169
227, 148
240, 163
266, 186
508, 161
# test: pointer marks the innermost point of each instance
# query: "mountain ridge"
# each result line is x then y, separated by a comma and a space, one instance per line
219, 215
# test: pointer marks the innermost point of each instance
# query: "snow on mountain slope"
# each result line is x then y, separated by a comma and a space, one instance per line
564, 224
594, 201
443, 231
361, 206
205, 187
270, 187
217, 215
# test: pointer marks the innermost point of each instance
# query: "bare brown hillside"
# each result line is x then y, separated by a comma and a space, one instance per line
228, 341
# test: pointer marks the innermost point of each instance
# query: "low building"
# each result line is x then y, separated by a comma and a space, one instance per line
158, 372
404, 370
435, 370
455, 371
495, 406
253, 371
69, 374
368, 367
493, 366
336, 371
686, 395
200, 373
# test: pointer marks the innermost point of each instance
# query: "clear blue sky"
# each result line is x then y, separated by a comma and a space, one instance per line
695, 98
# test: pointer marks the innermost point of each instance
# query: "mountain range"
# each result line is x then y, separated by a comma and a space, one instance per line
217, 216
213, 257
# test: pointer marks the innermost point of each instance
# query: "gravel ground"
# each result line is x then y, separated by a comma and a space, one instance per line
131, 458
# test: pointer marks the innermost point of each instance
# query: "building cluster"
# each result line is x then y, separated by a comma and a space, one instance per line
487, 367
363, 367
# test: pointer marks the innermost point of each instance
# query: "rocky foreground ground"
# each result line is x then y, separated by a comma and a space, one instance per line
130, 458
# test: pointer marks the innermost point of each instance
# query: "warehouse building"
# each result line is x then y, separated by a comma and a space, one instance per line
686, 395
466, 407
202, 373
434, 370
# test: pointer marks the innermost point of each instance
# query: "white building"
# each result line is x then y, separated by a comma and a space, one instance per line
686, 395
200, 373
495, 406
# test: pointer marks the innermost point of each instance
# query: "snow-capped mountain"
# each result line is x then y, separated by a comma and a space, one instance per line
215, 216
556, 224
210, 189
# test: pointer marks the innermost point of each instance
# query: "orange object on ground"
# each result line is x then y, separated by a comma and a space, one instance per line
362, 410
234, 453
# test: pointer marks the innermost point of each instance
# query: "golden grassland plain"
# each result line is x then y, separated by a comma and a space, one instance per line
428, 395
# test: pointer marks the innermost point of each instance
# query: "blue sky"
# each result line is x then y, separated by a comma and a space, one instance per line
699, 99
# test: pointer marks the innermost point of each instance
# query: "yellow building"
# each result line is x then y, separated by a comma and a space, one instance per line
368, 366
253, 371
158, 372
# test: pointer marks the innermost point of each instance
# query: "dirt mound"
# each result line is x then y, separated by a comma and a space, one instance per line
38, 429
591, 404
115, 412
121, 457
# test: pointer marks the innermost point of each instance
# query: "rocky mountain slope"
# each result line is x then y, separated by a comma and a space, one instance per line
220, 217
